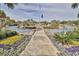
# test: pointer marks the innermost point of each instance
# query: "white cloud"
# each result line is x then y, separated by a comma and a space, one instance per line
50, 11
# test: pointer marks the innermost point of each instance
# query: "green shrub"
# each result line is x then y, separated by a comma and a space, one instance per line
2, 35
11, 33
7, 33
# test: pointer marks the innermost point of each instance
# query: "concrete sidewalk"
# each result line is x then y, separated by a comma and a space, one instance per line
40, 45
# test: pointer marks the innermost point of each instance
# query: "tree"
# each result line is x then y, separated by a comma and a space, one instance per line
10, 22
11, 5
45, 22
2, 14
55, 24
75, 5
76, 22
2, 20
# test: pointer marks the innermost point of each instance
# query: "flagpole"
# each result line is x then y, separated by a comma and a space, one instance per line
39, 13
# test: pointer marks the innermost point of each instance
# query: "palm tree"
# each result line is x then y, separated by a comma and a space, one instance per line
55, 24
75, 5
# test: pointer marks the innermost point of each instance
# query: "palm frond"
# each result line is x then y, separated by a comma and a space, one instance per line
11, 5
75, 5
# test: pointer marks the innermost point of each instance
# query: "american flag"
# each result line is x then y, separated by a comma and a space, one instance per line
42, 16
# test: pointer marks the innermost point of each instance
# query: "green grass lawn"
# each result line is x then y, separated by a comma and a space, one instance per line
11, 40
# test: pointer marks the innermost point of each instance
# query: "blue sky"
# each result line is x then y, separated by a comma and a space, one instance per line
51, 11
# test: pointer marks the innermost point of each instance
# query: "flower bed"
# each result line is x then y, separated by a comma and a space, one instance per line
11, 40
73, 49
13, 45
74, 42
16, 48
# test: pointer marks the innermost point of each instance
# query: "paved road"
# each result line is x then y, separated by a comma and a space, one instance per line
40, 45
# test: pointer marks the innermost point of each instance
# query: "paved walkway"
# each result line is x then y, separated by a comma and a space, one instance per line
40, 45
